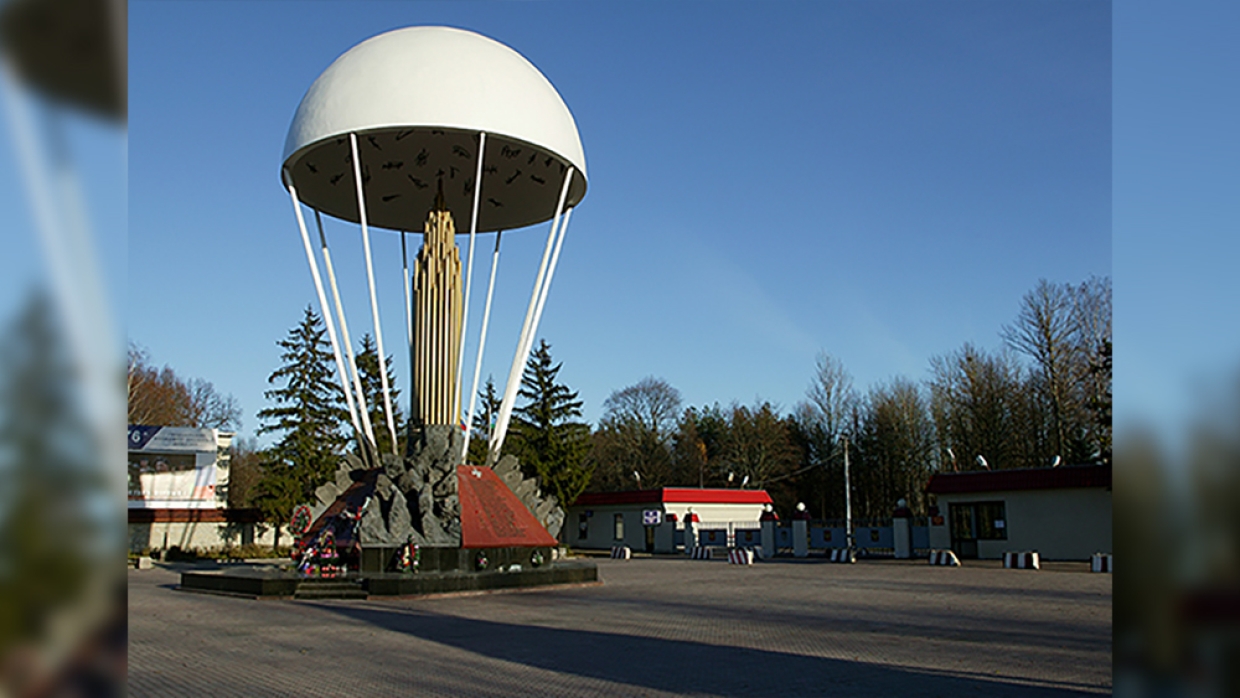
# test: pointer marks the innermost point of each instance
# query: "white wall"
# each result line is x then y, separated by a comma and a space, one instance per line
602, 522
1063, 524
201, 535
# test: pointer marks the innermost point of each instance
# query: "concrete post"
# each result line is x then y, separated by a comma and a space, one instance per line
800, 532
902, 532
768, 520
691, 530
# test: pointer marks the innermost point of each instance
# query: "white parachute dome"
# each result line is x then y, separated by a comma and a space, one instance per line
417, 98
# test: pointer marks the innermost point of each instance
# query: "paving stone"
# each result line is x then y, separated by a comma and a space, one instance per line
656, 627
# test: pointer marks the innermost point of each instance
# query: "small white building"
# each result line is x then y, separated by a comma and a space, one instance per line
178, 485
177, 467
1063, 513
605, 519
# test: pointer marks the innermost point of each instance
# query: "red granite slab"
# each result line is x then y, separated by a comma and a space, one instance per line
492, 516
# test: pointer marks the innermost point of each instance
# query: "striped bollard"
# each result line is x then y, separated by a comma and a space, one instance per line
843, 555
1101, 562
1025, 560
944, 558
621, 552
740, 556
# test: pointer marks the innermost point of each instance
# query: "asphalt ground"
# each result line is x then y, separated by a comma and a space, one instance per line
654, 627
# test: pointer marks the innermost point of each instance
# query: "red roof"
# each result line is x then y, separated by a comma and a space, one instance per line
677, 495
1067, 477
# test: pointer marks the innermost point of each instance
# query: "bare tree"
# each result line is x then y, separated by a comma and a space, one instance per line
1092, 316
159, 397
895, 453
635, 435
831, 396
210, 409
820, 424
757, 445
651, 404
978, 406
1046, 330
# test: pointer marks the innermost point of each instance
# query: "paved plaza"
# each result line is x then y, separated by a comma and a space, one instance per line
654, 627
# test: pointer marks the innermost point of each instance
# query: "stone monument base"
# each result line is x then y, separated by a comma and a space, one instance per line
268, 583
502, 543
377, 560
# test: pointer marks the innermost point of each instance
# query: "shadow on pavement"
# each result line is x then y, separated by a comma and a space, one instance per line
689, 667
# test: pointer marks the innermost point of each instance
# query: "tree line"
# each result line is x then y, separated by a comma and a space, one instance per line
1042, 398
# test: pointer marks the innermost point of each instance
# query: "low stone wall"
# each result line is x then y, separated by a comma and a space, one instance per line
199, 530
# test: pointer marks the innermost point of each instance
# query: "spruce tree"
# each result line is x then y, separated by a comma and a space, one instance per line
551, 443
53, 474
308, 416
485, 415
372, 388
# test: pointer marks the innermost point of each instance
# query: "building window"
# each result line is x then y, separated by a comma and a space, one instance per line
583, 526
979, 521
991, 521
619, 527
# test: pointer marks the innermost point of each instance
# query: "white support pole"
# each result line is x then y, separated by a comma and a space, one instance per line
555, 258
404, 257
323, 307
469, 279
482, 343
546, 286
527, 329
66, 241
49, 218
359, 395
370, 280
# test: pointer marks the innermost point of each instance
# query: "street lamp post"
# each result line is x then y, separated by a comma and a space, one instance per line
848, 532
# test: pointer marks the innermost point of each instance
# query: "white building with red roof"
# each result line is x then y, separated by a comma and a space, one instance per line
644, 519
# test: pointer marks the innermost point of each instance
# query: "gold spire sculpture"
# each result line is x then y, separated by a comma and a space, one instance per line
437, 319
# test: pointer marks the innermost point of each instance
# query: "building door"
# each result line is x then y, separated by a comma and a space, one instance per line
649, 538
963, 529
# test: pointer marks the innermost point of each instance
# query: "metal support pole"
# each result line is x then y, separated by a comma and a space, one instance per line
66, 240
555, 259
848, 529
359, 394
323, 307
542, 296
370, 279
527, 329
482, 343
469, 278
404, 258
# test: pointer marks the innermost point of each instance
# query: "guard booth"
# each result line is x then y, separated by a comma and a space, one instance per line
1064, 513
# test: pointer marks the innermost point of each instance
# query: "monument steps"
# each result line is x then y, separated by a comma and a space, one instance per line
311, 589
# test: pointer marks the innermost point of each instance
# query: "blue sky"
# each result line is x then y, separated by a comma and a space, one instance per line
880, 181
1177, 103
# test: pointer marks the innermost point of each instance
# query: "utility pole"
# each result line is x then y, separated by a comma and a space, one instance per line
848, 532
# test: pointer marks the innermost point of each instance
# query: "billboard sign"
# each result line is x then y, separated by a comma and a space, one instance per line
172, 467
174, 439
